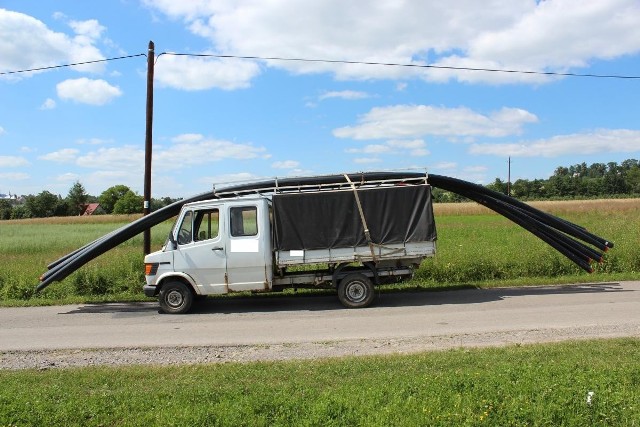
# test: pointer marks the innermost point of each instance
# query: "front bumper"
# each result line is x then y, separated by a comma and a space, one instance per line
150, 290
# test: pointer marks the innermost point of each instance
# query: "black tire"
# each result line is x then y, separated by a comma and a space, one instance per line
356, 291
175, 298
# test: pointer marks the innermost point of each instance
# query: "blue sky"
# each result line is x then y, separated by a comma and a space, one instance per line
222, 120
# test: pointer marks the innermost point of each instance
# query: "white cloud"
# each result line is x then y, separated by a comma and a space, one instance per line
93, 141
287, 164
370, 149
414, 148
124, 158
2, 131
33, 45
68, 177
187, 150
414, 121
599, 141
367, 160
48, 104
90, 28
66, 155
13, 161
14, 176
188, 73
345, 94
88, 91
204, 150
187, 137
530, 35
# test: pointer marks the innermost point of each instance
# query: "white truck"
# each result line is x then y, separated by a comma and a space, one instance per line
348, 237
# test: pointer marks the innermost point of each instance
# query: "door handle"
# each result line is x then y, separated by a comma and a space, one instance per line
217, 248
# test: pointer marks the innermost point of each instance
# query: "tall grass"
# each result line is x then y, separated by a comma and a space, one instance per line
28, 246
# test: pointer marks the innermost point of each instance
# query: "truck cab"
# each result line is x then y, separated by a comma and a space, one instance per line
215, 247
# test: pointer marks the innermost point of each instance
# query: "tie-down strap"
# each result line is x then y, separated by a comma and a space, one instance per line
367, 234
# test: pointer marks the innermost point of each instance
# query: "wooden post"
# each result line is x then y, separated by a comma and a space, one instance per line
509, 179
148, 142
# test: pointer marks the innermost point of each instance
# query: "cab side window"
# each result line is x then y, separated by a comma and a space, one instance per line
184, 233
206, 224
244, 221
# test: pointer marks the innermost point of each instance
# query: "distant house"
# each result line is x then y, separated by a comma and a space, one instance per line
13, 197
91, 208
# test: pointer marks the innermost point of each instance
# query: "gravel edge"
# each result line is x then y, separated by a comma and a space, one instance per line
163, 356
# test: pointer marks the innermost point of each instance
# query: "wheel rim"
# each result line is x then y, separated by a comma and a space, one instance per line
356, 292
174, 299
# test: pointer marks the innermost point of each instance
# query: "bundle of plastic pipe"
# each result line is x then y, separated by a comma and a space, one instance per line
567, 238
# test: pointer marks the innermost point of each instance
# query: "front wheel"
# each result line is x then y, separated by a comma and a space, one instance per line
175, 298
356, 291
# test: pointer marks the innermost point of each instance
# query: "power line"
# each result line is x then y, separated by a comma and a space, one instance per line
51, 67
336, 61
391, 64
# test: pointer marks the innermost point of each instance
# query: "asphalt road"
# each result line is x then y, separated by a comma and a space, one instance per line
464, 317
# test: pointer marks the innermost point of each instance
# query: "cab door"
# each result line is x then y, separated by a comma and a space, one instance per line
201, 251
249, 247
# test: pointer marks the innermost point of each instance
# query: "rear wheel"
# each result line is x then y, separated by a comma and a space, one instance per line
175, 298
356, 291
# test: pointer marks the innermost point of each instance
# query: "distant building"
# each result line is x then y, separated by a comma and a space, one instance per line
9, 196
91, 208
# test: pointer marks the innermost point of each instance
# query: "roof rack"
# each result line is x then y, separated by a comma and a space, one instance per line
321, 183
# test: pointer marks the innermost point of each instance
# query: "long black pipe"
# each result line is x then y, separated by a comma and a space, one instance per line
453, 184
517, 218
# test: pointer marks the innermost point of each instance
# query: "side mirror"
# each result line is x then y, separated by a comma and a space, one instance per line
174, 244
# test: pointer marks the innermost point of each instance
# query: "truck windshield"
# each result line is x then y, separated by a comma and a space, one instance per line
184, 233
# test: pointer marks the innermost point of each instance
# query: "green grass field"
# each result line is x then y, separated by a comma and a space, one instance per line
475, 248
541, 385
544, 385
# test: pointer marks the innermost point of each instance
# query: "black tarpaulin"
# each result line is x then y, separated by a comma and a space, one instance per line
331, 219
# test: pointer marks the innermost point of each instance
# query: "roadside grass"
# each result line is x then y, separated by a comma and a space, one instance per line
475, 248
28, 246
520, 385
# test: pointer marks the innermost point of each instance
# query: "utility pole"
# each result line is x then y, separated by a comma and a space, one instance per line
148, 142
509, 178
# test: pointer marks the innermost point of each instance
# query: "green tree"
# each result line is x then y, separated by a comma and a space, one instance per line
110, 197
5, 209
43, 205
128, 204
76, 199
498, 185
633, 179
20, 212
161, 203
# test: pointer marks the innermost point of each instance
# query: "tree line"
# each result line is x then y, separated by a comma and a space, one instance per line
580, 181
116, 200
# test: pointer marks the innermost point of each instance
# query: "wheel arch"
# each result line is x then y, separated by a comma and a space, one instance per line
180, 277
368, 269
